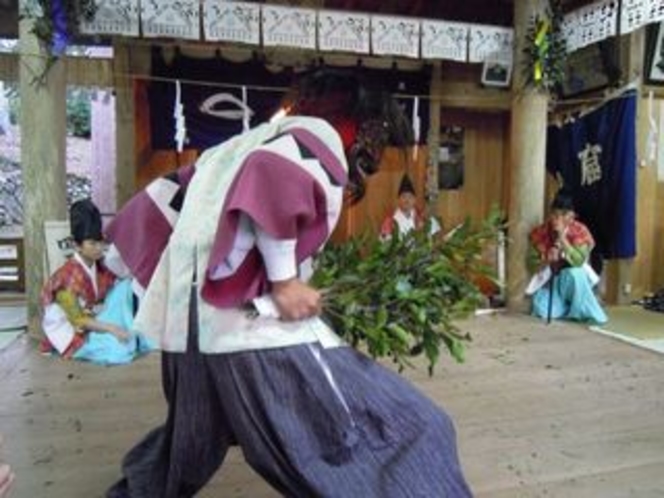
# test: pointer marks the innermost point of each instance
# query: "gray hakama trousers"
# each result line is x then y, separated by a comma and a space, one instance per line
312, 422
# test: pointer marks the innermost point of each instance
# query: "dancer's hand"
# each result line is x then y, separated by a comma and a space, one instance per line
120, 334
296, 300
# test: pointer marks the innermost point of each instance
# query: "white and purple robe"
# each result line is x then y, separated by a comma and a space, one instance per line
311, 418
288, 178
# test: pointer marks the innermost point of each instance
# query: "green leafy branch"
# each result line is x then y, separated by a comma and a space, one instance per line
400, 298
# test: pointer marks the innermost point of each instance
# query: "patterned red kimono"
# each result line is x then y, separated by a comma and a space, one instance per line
543, 237
79, 301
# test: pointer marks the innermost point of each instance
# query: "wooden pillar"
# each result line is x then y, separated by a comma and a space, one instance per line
528, 150
433, 140
43, 143
125, 129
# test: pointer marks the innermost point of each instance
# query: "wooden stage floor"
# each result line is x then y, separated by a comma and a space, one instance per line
541, 411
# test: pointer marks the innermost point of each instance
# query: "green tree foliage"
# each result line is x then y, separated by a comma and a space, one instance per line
78, 109
78, 112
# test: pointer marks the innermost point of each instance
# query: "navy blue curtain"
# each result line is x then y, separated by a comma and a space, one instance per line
596, 157
202, 79
205, 79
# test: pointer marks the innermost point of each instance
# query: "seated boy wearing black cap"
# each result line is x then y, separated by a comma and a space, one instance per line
406, 216
74, 294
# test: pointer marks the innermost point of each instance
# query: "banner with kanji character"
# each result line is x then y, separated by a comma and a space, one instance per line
596, 156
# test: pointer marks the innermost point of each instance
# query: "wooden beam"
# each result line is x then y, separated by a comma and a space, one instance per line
80, 71
472, 96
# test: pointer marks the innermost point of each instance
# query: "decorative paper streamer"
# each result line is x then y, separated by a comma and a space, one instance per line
246, 115
178, 114
595, 22
113, 17
232, 21
289, 27
655, 11
343, 31
171, 18
633, 15
651, 143
395, 36
570, 32
494, 43
445, 40
417, 126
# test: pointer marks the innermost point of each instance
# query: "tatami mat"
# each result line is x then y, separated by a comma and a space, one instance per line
634, 325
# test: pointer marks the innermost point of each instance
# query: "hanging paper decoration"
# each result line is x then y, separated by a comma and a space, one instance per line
343, 31
651, 142
171, 18
655, 11
660, 147
246, 114
417, 126
178, 114
113, 17
445, 40
546, 50
289, 27
595, 22
490, 43
570, 33
395, 36
232, 21
633, 15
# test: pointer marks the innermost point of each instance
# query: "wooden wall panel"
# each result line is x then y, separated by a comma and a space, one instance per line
142, 124
381, 196
640, 275
650, 204
486, 174
485, 166
162, 162
658, 239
